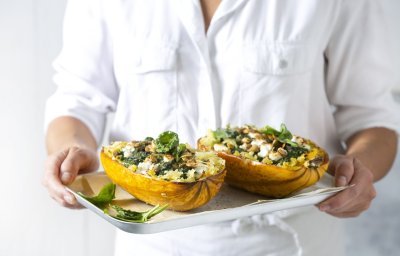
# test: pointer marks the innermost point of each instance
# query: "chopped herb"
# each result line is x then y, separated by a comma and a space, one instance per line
148, 139
184, 168
163, 167
135, 158
232, 133
293, 152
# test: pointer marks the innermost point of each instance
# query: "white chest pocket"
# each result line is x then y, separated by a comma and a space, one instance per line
273, 75
278, 59
151, 91
270, 66
155, 58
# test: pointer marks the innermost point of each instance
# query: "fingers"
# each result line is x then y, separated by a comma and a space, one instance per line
77, 160
70, 166
356, 198
52, 181
339, 201
62, 168
343, 169
353, 211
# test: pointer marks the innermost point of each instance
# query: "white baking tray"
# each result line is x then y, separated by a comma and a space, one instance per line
229, 204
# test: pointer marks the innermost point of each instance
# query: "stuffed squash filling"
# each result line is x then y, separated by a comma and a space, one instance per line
165, 158
265, 145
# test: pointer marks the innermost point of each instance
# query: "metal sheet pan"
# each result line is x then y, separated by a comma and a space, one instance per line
229, 204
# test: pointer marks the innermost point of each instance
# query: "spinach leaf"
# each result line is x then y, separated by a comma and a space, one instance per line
167, 142
132, 216
220, 134
105, 196
284, 135
179, 150
270, 131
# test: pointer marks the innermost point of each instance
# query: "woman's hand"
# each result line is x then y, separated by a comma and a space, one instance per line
62, 168
355, 199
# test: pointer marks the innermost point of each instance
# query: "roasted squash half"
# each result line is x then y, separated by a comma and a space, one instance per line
162, 171
267, 161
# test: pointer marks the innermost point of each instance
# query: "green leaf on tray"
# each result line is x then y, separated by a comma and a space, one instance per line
105, 196
132, 216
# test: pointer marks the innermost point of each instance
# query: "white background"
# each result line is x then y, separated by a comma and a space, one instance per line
30, 222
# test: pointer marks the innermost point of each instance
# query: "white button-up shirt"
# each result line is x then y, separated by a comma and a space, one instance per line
320, 67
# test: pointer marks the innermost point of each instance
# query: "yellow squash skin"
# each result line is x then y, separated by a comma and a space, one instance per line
180, 196
268, 180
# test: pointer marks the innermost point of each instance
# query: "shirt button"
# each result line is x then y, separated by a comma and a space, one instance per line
282, 64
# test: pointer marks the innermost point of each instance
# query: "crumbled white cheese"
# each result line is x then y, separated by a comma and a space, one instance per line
257, 142
252, 135
264, 150
143, 167
274, 156
127, 150
244, 146
200, 169
167, 158
220, 147
298, 140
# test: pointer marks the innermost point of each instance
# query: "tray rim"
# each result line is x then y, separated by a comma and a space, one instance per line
206, 217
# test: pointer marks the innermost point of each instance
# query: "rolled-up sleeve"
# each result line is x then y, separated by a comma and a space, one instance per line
360, 70
86, 87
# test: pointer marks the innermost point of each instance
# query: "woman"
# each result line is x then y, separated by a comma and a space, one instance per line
321, 67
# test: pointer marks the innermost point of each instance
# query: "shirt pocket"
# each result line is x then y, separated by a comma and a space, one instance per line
273, 75
155, 58
278, 59
153, 96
